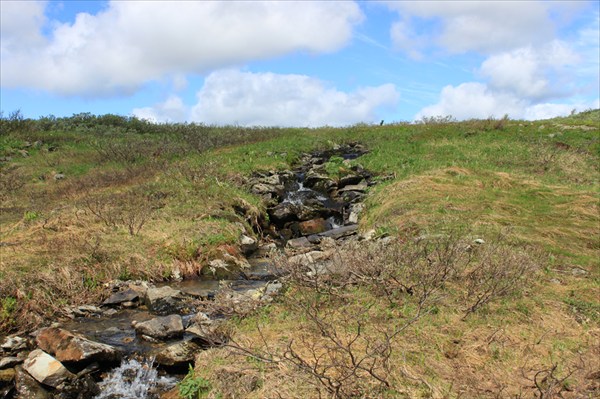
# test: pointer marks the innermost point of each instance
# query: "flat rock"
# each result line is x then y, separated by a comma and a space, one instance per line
69, 347
46, 369
161, 327
27, 387
349, 180
14, 343
178, 354
118, 298
9, 361
334, 233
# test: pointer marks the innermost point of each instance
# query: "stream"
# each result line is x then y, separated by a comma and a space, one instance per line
155, 329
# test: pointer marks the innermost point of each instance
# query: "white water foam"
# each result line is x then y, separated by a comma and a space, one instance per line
134, 380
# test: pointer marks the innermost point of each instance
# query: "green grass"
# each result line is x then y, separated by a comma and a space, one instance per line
535, 182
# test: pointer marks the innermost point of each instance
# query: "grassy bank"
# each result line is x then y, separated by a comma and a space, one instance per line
89, 199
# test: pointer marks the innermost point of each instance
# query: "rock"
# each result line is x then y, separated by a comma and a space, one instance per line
59, 176
369, 235
273, 288
352, 196
118, 298
355, 187
161, 327
27, 387
177, 354
349, 179
10, 361
479, 241
325, 186
162, 300
248, 244
14, 344
300, 242
46, 369
205, 334
68, 347
6, 376
81, 388
355, 211
227, 268
577, 271
313, 226
340, 232
283, 212
261, 189
308, 258
272, 180
311, 210
313, 177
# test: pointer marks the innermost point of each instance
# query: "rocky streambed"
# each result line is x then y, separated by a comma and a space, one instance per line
139, 341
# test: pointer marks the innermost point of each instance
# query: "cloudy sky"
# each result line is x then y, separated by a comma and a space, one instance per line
299, 64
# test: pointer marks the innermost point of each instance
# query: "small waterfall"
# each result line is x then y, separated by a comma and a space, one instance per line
134, 380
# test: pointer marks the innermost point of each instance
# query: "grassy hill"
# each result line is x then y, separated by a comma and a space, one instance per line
88, 199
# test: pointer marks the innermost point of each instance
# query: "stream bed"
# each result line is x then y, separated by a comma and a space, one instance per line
140, 341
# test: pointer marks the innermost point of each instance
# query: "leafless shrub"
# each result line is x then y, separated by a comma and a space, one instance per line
131, 209
11, 180
499, 271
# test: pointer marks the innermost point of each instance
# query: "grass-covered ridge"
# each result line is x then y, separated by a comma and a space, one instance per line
88, 199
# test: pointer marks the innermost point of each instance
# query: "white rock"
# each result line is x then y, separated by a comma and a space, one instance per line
46, 369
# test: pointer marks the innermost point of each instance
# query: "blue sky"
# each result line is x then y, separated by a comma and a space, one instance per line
299, 63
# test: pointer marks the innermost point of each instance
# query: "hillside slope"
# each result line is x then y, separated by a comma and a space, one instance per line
86, 200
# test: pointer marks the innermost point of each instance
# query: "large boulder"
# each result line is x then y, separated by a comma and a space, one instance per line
46, 369
177, 354
227, 267
161, 327
68, 347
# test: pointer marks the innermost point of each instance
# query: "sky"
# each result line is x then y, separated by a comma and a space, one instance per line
305, 64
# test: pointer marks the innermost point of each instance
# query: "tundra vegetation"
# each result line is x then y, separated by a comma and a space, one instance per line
488, 285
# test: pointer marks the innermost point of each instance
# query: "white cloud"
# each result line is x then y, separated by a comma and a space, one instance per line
20, 23
477, 100
268, 99
473, 100
526, 71
171, 110
129, 43
482, 26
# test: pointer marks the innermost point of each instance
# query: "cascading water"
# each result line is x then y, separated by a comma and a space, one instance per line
134, 380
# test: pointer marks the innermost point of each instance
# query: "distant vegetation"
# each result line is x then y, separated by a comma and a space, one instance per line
88, 199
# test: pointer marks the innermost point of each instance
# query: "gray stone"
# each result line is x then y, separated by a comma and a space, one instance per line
161, 327
46, 369
9, 361
177, 354
122, 296
301, 242
248, 244
27, 387
163, 299
479, 241
340, 232
308, 258
69, 347
362, 187
349, 179
14, 343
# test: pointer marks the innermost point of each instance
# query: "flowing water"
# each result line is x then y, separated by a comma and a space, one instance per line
135, 379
